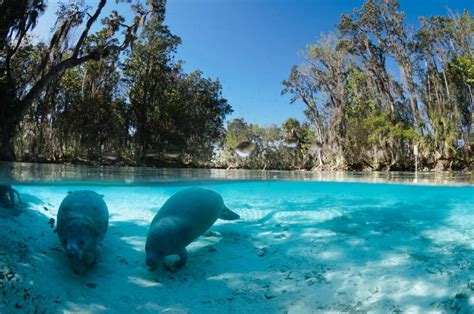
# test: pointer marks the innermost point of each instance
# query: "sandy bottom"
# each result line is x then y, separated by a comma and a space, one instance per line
293, 251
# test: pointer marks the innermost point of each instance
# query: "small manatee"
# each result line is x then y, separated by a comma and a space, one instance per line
82, 222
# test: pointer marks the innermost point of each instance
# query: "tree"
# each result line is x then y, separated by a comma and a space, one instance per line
363, 116
446, 92
119, 108
172, 113
58, 56
149, 72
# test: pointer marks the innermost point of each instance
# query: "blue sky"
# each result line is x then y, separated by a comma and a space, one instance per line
250, 45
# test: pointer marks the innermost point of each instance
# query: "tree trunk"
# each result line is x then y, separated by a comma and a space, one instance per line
9, 124
407, 80
7, 133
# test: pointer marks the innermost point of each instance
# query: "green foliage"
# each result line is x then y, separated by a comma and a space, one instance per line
171, 110
238, 131
96, 97
367, 119
140, 107
381, 126
27, 79
464, 65
467, 63
271, 145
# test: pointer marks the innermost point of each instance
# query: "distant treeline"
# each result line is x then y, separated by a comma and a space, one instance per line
119, 96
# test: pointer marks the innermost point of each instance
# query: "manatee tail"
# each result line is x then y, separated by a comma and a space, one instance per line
227, 214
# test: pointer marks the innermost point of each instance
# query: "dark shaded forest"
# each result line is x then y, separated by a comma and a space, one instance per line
117, 95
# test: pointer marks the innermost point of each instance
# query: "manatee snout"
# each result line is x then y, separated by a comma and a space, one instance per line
151, 263
73, 250
153, 258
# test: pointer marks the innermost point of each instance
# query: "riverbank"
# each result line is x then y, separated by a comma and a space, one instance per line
440, 166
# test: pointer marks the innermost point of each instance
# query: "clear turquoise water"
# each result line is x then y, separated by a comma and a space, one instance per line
301, 245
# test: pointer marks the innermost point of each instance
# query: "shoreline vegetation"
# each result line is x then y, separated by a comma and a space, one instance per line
122, 163
380, 95
20, 173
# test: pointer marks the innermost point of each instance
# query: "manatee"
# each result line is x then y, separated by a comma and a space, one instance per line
184, 217
82, 223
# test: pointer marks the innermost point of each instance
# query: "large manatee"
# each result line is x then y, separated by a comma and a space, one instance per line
82, 223
184, 217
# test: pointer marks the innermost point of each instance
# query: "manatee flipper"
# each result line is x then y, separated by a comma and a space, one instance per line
183, 258
227, 214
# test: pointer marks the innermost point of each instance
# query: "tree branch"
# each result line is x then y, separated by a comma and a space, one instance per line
60, 68
75, 60
11, 54
89, 23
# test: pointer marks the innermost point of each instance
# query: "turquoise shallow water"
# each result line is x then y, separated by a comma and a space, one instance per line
300, 246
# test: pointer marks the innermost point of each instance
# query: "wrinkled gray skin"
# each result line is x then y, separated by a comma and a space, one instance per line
82, 222
184, 217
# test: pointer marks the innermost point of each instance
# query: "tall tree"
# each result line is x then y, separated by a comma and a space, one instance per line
59, 55
172, 113
149, 72
364, 115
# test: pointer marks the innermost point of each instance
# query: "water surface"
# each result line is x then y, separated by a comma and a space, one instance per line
27, 173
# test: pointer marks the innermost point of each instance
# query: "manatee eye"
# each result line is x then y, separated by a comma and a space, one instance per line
81, 242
